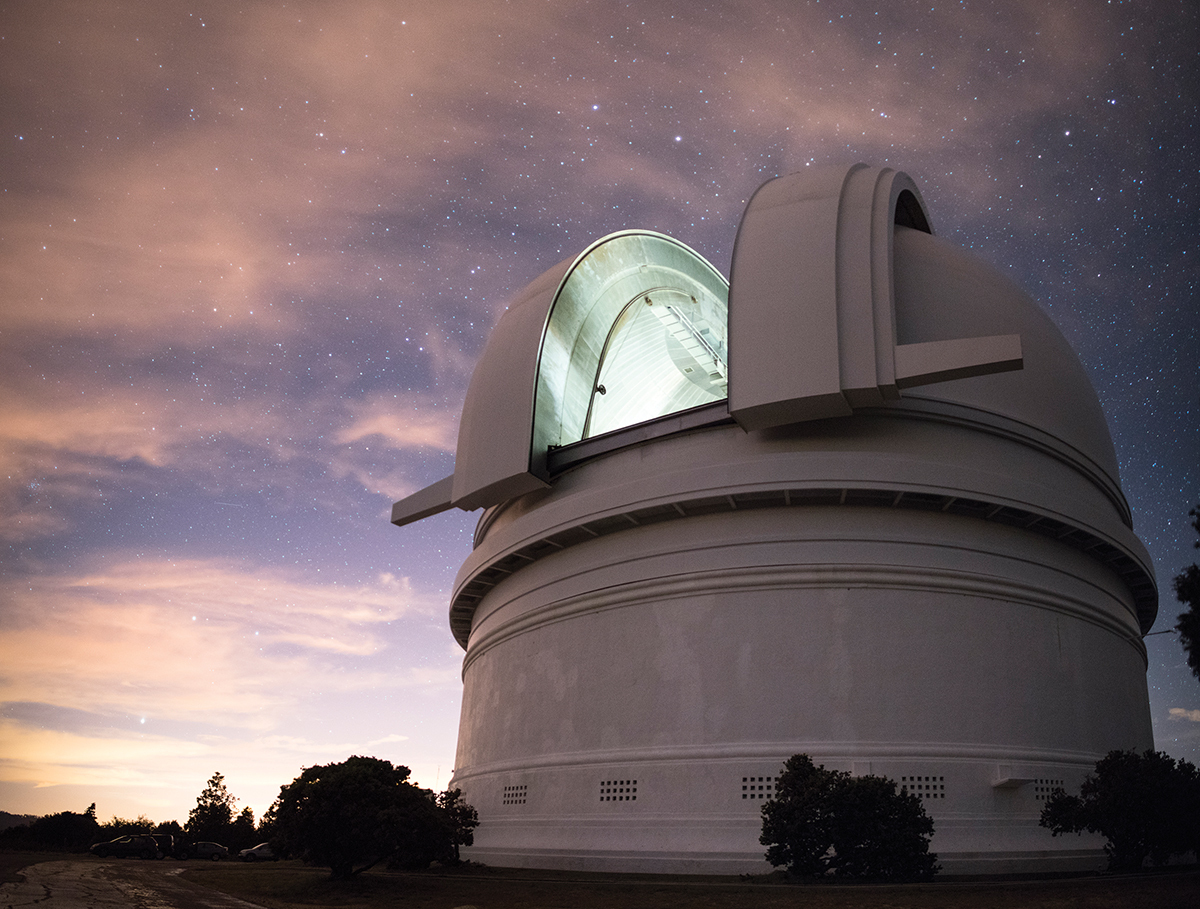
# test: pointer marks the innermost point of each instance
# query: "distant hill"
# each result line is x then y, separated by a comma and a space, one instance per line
15, 820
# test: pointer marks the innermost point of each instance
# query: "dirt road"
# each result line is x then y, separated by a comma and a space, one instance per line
90, 883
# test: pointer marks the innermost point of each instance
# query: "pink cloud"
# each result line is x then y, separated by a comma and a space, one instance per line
235, 652
400, 422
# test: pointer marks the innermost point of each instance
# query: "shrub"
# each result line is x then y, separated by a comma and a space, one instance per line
1146, 805
361, 812
829, 822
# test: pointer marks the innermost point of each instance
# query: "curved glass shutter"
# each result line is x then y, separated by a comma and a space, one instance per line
665, 353
638, 330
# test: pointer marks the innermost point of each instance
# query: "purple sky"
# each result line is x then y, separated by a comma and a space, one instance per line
250, 253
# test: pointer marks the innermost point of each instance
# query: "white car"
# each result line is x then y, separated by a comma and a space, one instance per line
260, 853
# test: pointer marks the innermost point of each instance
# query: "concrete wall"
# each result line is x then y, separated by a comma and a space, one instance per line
685, 656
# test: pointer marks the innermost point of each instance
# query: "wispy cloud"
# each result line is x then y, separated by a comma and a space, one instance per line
66, 450
168, 637
400, 422
186, 664
1180, 713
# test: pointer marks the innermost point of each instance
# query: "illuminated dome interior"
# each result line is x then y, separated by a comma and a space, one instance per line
637, 330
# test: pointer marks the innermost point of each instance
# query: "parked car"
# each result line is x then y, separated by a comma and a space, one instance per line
167, 845
140, 845
261, 852
211, 851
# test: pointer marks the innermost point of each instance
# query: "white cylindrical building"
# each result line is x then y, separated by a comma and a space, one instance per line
861, 504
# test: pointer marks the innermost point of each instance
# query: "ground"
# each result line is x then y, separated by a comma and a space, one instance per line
65, 882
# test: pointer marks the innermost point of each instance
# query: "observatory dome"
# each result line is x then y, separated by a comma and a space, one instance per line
859, 502
944, 293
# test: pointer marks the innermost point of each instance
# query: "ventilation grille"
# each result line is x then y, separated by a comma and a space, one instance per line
618, 790
1042, 789
514, 795
924, 787
758, 787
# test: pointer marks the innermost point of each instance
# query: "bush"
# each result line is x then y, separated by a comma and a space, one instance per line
829, 822
463, 819
361, 811
1146, 805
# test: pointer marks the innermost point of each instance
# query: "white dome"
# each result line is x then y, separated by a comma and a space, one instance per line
899, 546
944, 293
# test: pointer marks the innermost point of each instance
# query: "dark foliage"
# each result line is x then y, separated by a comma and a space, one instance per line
212, 818
1187, 590
242, 832
829, 822
358, 813
266, 826
463, 818
72, 832
1146, 805
171, 827
123, 826
62, 832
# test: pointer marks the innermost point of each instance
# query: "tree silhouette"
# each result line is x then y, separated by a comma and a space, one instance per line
1187, 590
242, 832
62, 832
212, 817
123, 826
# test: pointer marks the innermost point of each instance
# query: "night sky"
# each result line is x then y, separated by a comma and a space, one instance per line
250, 253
